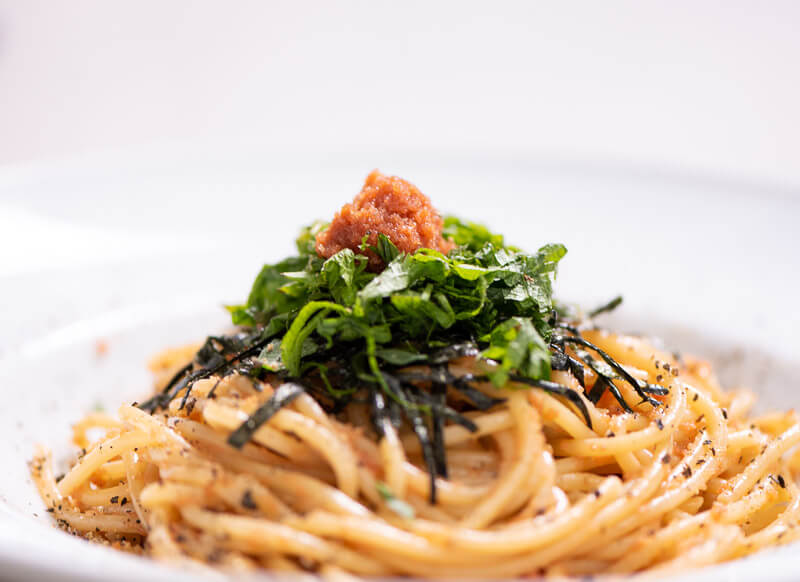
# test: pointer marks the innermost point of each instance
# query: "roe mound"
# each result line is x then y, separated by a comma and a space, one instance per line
388, 205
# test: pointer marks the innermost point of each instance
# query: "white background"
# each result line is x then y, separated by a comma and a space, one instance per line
697, 86
143, 130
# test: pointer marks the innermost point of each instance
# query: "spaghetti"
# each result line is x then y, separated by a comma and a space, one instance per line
623, 459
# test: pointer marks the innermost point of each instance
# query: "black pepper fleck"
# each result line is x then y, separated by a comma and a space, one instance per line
247, 500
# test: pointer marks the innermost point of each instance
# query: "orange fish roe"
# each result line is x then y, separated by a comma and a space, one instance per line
388, 205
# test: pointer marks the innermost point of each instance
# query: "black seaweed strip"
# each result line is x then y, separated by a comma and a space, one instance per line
438, 395
206, 372
152, 403
453, 352
617, 368
610, 306
420, 429
480, 400
379, 411
596, 392
577, 370
614, 392
559, 361
554, 388
283, 395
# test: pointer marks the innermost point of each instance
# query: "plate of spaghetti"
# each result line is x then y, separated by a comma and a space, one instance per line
407, 395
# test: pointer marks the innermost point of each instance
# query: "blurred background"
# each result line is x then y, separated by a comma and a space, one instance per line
699, 86
199, 133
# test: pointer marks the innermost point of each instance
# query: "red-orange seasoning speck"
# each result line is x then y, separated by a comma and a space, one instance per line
388, 205
101, 348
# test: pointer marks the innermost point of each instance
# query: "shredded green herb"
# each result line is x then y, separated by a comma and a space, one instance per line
332, 316
483, 291
396, 505
337, 331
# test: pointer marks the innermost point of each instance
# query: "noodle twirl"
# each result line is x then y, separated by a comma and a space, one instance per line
404, 397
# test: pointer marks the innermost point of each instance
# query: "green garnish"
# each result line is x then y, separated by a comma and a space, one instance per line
492, 294
394, 504
338, 332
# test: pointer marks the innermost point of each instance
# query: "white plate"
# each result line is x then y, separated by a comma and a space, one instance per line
710, 266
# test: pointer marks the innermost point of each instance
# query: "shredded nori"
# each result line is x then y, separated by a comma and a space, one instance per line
343, 335
439, 395
643, 389
572, 395
284, 394
606, 307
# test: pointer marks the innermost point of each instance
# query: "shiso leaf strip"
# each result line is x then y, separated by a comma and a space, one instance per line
396, 505
343, 334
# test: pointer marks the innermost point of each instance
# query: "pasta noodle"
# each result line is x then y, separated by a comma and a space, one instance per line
692, 482
405, 398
